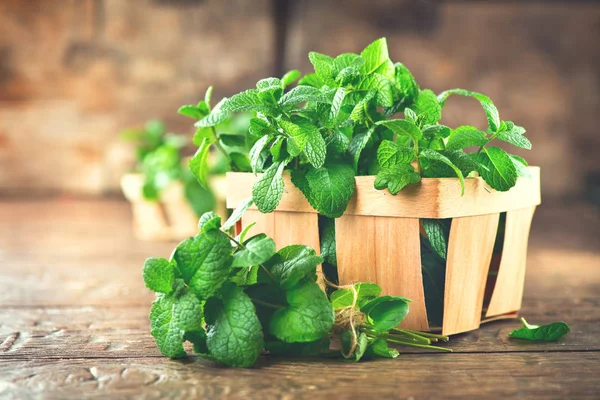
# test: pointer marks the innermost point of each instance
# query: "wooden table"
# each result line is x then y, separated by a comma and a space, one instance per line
73, 323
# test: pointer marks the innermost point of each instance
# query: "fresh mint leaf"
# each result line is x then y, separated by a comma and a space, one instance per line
316, 149
381, 348
313, 80
159, 275
438, 234
520, 166
259, 154
323, 66
188, 313
248, 101
377, 59
209, 221
198, 339
167, 334
301, 94
290, 77
327, 236
216, 116
396, 178
427, 107
382, 87
365, 292
488, 106
234, 333
406, 84
390, 153
292, 264
544, 333
268, 190
232, 140
331, 188
385, 312
270, 88
199, 163
336, 104
239, 162
236, 215
436, 156
192, 111
204, 261
357, 145
256, 251
432, 131
308, 316
465, 136
501, 173
514, 138
403, 127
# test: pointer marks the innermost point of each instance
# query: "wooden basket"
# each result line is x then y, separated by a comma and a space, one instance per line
171, 218
378, 241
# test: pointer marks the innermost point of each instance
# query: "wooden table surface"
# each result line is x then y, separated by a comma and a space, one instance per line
73, 323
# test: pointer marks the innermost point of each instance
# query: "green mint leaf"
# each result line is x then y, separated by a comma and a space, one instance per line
159, 275
390, 153
382, 87
232, 140
427, 107
462, 160
403, 127
436, 156
410, 115
488, 106
258, 250
272, 86
201, 134
406, 84
315, 148
433, 131
167, 334
380, 348
385, 312
277, 149
434, 278
514, 138
311, 80
308, 317
239, 162
199, 163
438, 234
331, 188
362, 344
377, 59
327, 236
292, 264
357, 145
234, 333
337, 141
520, 166
192, 111
396, 178
187, 312
359, 112
465, 136
324, 67
248, 101
366, 292
209, 221
236, 215
204, 261
260, 127
336, 104
301, 94
208, 96
501, 173
216, 116
259, 154
290, 77
544, 333
242, 236
198, 339
267, 191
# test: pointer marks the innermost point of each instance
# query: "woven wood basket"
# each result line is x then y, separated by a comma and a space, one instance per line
378, 240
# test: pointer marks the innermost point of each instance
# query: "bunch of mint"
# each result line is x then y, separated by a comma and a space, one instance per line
340, 122
159, 159
235, 297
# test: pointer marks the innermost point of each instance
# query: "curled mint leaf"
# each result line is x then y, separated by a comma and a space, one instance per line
159, 275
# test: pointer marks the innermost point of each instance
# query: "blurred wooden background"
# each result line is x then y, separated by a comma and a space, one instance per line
73, 73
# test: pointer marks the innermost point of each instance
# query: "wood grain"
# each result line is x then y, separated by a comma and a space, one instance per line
431, 198
469, 254
508, 289
384, 251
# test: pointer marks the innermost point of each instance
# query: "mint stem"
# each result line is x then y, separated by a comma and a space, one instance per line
424, 346
217, 142
424, 334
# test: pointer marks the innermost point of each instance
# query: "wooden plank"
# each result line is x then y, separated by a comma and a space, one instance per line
533, 375
385, 251
296, 228
470, 249
432, 198
508, 289
264, 223
124, 332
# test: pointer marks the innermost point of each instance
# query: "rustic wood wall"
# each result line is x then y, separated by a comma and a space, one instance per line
72, 76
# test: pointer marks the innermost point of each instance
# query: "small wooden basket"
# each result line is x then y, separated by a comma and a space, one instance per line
171, 218
378, 240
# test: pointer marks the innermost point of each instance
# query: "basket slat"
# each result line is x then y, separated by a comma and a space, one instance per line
508, 291
470, 250
385, 251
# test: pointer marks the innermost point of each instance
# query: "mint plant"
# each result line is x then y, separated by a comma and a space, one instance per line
159, 160
341, 121
236, 297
